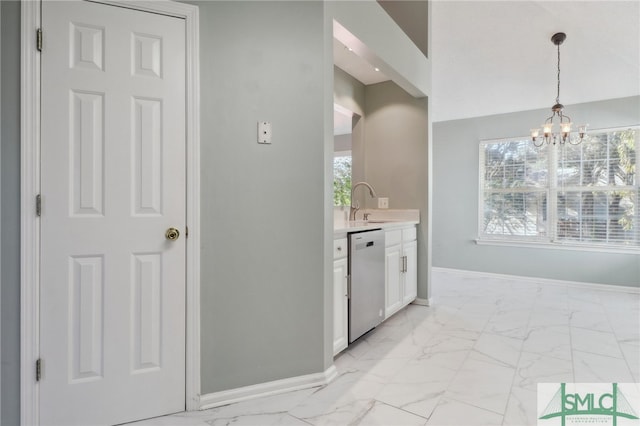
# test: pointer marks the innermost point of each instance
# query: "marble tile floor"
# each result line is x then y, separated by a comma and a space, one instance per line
473, 358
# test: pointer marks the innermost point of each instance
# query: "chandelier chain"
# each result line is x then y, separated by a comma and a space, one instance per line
558, 95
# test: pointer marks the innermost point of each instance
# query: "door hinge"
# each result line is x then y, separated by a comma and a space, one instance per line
38, 369
38, 205
349, 286
39, 39
186, 232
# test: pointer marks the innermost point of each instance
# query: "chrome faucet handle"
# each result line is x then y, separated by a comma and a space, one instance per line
366, 216
353, 209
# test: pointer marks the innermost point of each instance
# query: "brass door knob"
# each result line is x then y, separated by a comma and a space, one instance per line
172, 234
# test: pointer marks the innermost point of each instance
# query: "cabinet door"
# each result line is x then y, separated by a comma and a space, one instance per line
393, 288
340, 305
410, 276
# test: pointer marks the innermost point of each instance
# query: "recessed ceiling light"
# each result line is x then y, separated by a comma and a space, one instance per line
377, 69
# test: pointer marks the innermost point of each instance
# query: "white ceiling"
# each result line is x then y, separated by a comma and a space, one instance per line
493, 57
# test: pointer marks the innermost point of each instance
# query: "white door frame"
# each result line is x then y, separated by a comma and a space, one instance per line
30, 188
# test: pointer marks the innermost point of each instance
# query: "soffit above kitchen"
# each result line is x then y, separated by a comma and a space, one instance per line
410, 15
356, 66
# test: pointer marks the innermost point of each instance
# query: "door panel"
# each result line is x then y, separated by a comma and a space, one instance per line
146, 310
86, 325
112, 296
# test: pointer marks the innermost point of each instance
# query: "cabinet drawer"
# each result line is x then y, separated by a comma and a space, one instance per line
391, 238
340, 248
409, 234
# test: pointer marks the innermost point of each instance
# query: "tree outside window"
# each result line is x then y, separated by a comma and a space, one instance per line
342, 181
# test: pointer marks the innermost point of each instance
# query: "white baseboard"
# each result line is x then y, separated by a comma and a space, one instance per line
217, 399
421, 302
546, 281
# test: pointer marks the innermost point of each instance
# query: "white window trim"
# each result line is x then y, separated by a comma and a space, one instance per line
550, 241
30, 187
557, 246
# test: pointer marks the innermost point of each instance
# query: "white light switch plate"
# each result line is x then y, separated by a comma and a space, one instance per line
264, 132
383, 203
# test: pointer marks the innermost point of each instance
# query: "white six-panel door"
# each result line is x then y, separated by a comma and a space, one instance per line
112, 295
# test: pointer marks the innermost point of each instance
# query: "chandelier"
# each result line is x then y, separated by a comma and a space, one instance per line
548, 131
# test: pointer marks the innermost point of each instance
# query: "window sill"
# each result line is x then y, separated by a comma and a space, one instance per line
558, 246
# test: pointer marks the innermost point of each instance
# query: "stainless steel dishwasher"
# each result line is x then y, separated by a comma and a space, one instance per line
366, 271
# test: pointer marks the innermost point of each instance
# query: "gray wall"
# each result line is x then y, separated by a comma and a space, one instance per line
342, 142
349, 93
455, 200
262, 205
10, 193
396, 158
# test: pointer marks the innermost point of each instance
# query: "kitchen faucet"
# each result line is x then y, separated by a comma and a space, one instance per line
354, 208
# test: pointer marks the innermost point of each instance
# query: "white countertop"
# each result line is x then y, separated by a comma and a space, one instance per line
378, 219
360, 225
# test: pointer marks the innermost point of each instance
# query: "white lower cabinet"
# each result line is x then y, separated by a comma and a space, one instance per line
401, 277
340, 295
393, 289
410, 278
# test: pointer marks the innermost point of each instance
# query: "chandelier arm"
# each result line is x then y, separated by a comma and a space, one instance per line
538, 145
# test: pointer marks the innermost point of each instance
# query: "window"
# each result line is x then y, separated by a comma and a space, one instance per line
342, 179
584, 194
